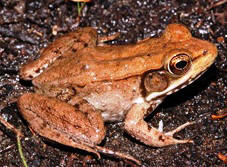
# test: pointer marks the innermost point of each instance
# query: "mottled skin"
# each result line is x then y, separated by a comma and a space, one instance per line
80, 84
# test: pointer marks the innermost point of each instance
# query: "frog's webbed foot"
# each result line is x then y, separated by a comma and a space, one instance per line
138, 128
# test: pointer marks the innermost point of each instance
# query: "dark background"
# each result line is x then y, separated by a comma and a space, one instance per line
26, 26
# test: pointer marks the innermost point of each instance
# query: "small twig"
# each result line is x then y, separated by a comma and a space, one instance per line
220, 114
7, 148
21, 152
11, 127
79, 8
221, 2
22, 37
222, 157
19, 136
80, 5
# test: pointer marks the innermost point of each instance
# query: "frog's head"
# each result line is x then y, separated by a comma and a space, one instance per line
186, 58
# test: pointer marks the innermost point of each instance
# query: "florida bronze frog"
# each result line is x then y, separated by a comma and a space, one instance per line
80, 84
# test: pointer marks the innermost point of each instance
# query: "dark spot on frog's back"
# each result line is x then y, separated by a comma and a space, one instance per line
205, 52
164, 46
118, 63
57, 135
76, 106
76, 126
74, 50
57, 51
43, 125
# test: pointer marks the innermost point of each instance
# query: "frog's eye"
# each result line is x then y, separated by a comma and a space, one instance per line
179, 64
155, 82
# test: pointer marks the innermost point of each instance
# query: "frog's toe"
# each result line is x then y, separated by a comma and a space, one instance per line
138, 128
162, 139
171, 133
176, 141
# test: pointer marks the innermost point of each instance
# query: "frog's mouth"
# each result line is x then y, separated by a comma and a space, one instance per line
171, 83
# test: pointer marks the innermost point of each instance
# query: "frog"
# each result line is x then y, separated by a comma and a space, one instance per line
81, 82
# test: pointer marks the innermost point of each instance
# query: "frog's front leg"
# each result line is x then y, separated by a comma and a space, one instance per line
65, 45
138, 128
61, 122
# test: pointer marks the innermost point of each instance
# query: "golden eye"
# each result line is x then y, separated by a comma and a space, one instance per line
179, 64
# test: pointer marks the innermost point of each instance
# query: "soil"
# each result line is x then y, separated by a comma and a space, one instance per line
27, 26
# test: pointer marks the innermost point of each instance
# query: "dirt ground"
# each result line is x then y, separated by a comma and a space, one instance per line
27, 26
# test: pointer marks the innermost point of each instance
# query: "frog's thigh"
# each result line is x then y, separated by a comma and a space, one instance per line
61, 122
138, 128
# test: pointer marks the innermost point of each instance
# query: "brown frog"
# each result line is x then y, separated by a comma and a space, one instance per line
80, 84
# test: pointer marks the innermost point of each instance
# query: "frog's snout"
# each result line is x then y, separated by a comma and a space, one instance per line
210, 52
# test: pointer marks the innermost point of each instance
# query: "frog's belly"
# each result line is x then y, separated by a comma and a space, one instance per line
113, 105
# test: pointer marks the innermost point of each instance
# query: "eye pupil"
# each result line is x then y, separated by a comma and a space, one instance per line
181, 64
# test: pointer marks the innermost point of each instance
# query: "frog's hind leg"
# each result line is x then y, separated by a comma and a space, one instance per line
61, 122
138, 128
119, 154
63, 46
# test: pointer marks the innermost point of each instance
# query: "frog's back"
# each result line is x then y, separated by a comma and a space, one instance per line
99, 63
93, 66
